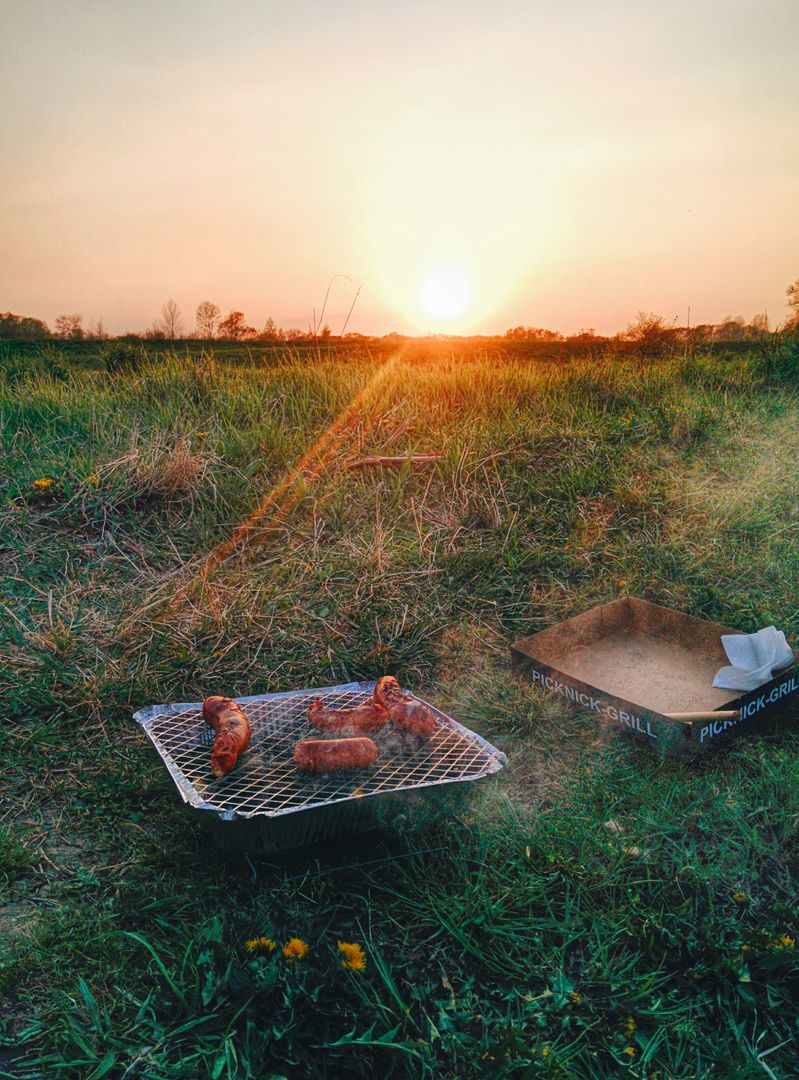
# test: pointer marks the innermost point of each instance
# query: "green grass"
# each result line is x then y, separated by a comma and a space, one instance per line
592, 901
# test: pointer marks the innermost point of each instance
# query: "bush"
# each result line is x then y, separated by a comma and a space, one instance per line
650, 334
53, 362
779, 360
123, 356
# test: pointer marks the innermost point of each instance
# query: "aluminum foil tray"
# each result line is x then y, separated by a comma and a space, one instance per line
266, 786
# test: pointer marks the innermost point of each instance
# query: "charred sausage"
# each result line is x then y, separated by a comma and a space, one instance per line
233, 732
370, 716
405, 712
328, 755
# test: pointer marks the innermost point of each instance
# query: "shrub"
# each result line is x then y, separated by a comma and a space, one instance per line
123, 356
53, 361
650, 334
779, 360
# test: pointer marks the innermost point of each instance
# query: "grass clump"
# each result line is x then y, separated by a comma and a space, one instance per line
157, 469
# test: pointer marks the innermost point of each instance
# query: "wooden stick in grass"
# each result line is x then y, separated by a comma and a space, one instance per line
394, 462
719, 714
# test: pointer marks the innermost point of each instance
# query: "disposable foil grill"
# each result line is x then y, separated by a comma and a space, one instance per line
267, 783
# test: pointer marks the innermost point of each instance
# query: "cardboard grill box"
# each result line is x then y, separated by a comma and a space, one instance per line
635, 663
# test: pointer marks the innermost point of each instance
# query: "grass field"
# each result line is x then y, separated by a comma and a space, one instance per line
594, 911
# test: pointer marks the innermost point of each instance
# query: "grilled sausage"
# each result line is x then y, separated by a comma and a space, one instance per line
328, 755
370, 716
233, 732
405, 712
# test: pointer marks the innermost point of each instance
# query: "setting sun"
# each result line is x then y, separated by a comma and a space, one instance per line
445, 294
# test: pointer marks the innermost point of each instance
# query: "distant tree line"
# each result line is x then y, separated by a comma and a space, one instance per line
67, 327
210, 326
647, 332
651, 333
22, 327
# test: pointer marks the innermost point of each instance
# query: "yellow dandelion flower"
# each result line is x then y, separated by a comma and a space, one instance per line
782, 942
630, 1025
353, 956
621, 583
42, 484
93, 480
630, 1051
545, 1052
201, 434
295, 949
740, 897
260, 945
575, 998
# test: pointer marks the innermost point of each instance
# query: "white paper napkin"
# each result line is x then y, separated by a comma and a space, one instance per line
753, 658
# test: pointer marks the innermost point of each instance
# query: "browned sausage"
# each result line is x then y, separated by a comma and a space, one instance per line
327, 755
405, 712
370, 716
233, 732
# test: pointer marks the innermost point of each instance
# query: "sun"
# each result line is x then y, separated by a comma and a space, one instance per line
445, 294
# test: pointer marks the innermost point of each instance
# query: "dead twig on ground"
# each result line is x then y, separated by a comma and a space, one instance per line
394, 462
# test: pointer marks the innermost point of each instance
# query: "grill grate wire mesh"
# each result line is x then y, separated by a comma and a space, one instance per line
266, 780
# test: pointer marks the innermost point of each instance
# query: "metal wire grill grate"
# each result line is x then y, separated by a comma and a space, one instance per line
266, 780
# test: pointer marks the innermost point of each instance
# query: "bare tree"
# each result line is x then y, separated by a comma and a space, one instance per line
171, 322
69, 326
207, 316
97, 331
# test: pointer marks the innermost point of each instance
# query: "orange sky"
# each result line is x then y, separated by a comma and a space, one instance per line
569, 163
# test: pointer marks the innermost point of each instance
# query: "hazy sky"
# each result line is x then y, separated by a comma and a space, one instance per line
566, 163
